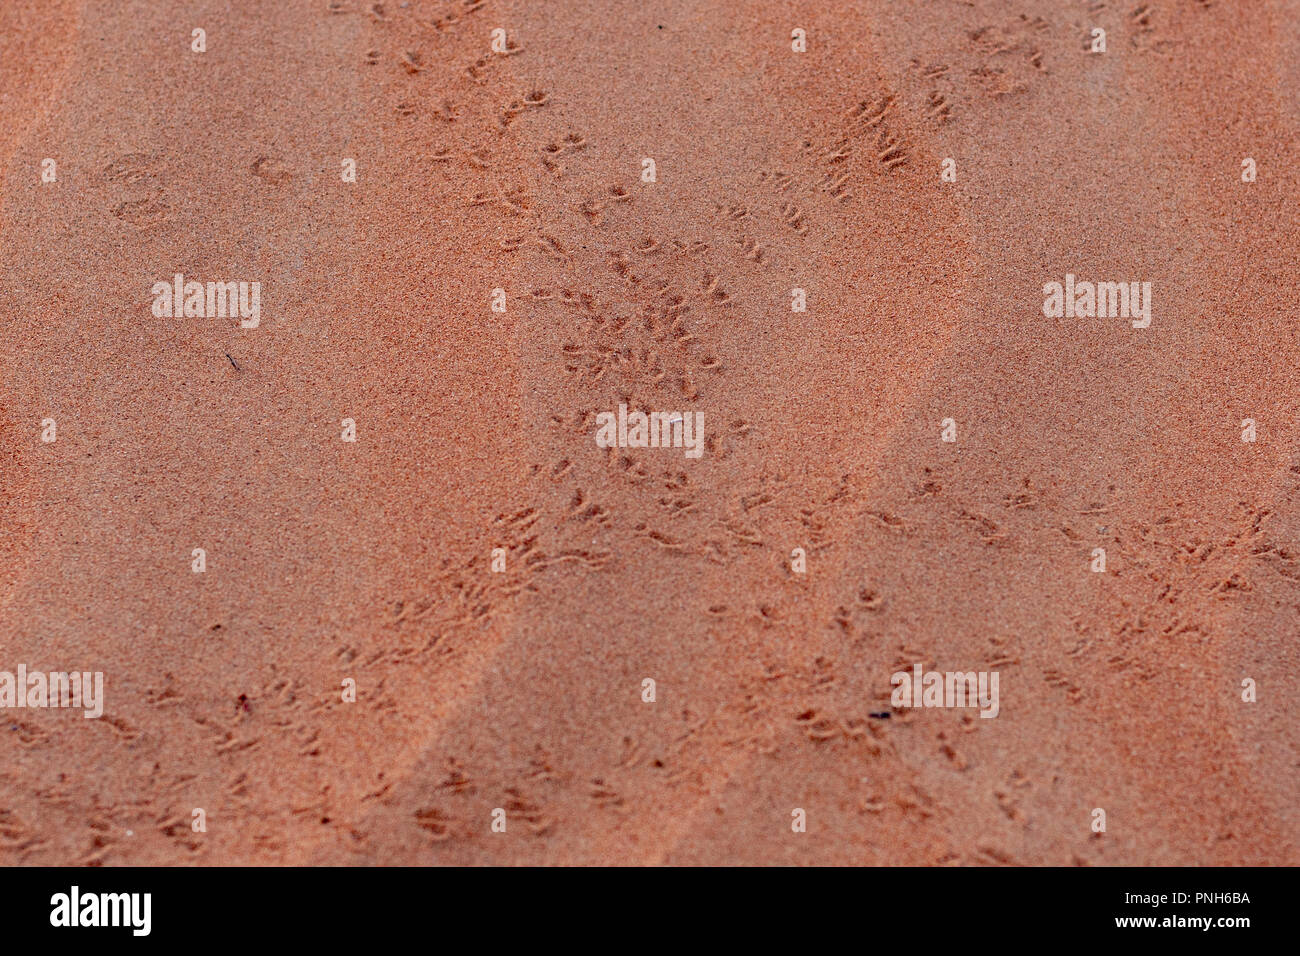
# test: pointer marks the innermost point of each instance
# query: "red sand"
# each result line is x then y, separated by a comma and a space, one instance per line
775, 170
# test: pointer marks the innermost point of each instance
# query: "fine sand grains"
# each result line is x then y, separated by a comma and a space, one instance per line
666, 207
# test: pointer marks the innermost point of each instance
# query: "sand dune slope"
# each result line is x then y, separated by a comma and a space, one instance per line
498, 586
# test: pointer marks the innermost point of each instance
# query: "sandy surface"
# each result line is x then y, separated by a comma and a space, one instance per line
522, 690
